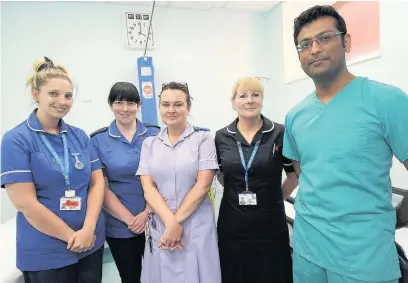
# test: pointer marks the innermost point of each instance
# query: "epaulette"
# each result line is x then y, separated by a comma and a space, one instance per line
101, 130
150, 126
198, 129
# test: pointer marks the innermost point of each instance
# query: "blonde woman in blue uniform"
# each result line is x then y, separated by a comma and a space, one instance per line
54, 179
119, 147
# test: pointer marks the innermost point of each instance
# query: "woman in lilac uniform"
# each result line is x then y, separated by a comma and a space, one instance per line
177, 168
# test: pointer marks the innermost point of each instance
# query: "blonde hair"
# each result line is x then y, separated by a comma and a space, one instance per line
44, 70
251, 84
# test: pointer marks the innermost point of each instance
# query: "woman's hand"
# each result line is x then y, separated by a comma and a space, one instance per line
81, 241
138, 223
172, 237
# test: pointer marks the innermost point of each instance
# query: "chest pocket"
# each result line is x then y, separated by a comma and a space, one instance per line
350, 148
80, 177
121, 163
275, 154
48, 175
46, 172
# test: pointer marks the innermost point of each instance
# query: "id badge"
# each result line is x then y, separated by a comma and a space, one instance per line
72, 203
247, 198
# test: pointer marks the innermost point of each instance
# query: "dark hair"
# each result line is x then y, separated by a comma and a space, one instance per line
314, 13
123, 91
178, 86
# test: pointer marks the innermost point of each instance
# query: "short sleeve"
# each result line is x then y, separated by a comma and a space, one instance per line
143, 168
286, 162
207, 156
217, 149
287, 165
290, 149
15, 161
95, 161
95, 146
392, 107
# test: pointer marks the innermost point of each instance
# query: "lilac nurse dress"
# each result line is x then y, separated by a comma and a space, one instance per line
174, 169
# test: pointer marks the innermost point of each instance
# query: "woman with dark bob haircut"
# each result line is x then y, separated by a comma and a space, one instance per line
125, 209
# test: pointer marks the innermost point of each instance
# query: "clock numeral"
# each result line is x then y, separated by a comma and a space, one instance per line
131, 16
146, 17
138, 16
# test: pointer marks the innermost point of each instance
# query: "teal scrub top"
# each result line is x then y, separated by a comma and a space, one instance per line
345, 221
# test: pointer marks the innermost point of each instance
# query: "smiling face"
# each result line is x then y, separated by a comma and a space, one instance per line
54, 97
247, 99
248, 104
125, 111
124, 101
324, 48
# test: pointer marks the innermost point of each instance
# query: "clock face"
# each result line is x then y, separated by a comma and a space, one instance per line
137, 28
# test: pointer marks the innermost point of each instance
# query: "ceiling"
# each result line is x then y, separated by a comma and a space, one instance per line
244, 6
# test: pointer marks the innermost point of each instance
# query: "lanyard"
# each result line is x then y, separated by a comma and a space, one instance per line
251, 159
64, 167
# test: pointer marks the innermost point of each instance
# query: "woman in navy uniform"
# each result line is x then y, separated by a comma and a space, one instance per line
252, 230
119, 147
54, 179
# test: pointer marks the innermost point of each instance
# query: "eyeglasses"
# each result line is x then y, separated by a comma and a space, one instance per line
321, 39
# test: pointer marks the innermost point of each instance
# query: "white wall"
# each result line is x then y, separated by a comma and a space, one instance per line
389, 68
207, 49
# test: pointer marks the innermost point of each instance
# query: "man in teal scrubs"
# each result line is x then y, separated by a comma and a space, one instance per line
342, 138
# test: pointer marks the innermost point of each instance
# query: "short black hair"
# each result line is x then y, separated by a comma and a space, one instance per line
179, 86
314, 13
123, 91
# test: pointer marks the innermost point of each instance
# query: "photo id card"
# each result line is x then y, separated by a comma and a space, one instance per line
247, 198
73, 203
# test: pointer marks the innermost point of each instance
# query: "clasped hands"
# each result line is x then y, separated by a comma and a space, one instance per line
82, 240
137, 223
172, 237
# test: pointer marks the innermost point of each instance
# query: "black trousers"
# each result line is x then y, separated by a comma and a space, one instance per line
87, 270
252, 263
128, 254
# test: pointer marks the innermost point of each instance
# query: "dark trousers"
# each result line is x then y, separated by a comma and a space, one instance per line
86, 270
128, 254
252, 263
